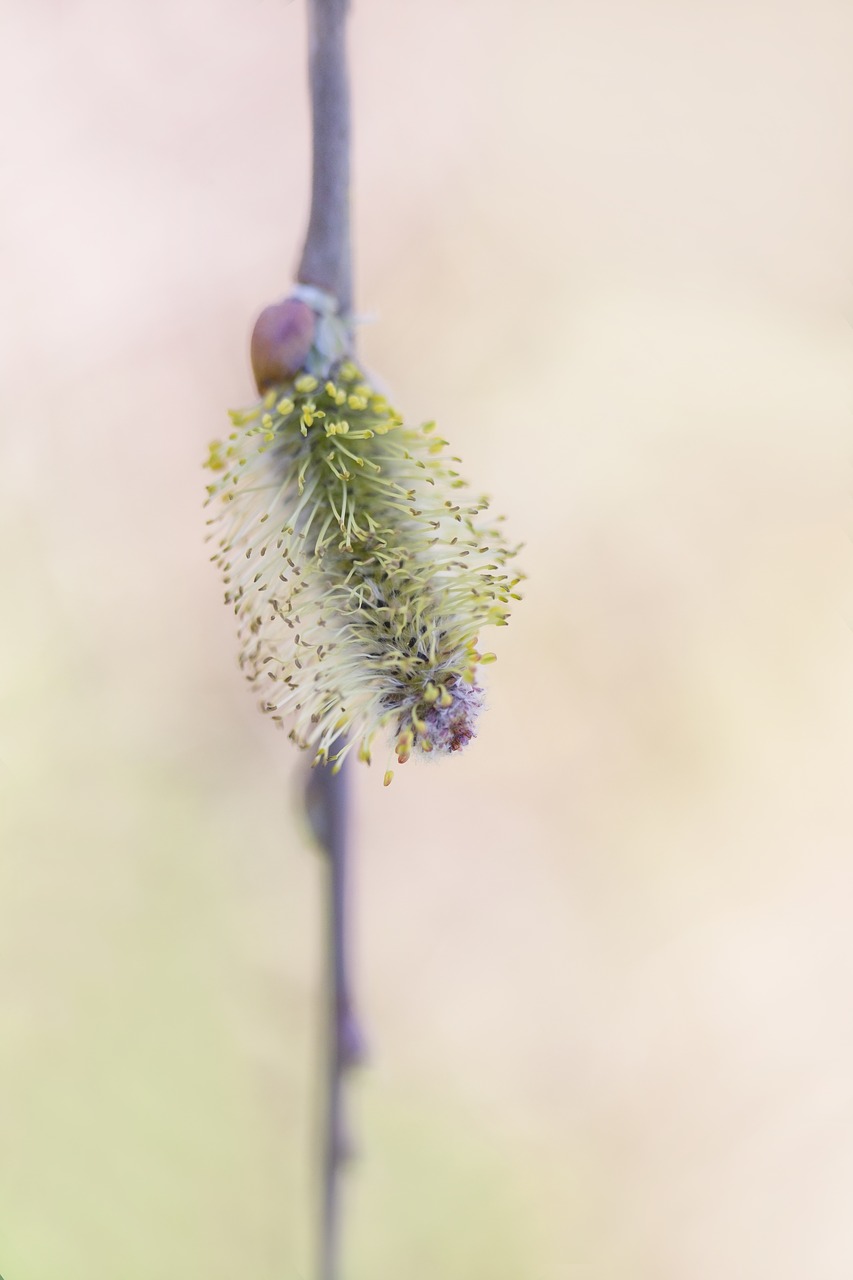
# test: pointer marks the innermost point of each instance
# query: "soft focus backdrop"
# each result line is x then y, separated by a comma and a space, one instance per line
606, 957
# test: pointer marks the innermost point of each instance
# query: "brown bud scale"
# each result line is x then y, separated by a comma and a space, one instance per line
281, 341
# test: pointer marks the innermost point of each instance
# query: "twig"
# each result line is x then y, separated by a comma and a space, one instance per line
326, 262
328, 803
326, 259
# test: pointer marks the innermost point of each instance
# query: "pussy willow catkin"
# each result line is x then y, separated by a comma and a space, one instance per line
360, 571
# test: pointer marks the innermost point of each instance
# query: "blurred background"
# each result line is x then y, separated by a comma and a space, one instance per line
606, 957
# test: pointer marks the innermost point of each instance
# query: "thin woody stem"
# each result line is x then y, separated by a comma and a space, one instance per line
326, 263
328, 803
326, 259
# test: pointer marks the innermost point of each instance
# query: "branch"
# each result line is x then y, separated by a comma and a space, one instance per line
326, 263
326, 259
328, 806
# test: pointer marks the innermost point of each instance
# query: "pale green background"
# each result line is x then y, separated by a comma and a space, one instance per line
605, 957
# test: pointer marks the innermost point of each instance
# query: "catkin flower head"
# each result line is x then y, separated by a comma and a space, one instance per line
360, 570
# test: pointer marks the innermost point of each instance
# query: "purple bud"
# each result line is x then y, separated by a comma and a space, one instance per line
281, 340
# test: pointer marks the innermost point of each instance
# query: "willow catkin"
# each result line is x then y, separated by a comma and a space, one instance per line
360, 570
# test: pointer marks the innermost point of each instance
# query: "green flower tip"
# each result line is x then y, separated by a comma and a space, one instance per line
359, 573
